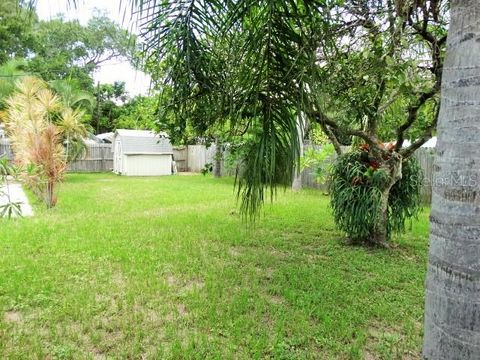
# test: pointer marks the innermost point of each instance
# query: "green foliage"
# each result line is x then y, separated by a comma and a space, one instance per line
66, 49
259, 66
320, 161
65, 54
110, 98
356, 190
405, 201
16, 36
317, 136
207, 169
138, 113
72, 95
10, 72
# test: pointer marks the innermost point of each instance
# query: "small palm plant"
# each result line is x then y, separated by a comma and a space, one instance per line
36, 140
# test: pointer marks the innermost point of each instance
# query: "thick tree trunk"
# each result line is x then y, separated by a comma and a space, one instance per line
380, 233
452, 313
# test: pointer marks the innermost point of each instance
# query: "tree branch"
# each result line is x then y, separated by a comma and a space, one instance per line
321, 118
427, 135
412, 116
332, 137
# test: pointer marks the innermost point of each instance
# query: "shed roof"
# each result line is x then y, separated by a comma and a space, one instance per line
143, 141
140, 133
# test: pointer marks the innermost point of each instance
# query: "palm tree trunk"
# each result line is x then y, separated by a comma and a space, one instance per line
452, 313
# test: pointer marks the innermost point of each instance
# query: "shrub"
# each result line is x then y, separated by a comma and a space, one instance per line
357, 186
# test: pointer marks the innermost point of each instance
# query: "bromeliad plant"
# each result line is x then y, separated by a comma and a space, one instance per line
372, 198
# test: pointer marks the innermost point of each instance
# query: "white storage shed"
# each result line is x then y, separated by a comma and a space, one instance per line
141, 153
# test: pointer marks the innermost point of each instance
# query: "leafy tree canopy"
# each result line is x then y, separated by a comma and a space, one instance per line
66, 49
16, 35
370, 70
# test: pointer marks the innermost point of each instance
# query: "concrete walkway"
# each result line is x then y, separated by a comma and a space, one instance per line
17, 195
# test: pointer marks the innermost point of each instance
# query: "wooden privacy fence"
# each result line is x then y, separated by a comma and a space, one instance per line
425, 157
97, 158
193, 158
180, 157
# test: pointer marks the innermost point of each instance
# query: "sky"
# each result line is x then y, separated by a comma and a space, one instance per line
116, 70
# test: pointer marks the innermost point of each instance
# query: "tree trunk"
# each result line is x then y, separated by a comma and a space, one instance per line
452, 308
217, 168
297, 178
380, 233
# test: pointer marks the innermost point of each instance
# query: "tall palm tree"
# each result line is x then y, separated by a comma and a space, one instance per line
452, 314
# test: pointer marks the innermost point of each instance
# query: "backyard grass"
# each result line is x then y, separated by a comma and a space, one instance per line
164, 268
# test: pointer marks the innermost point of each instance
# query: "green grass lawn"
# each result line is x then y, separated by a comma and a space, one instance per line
165, 268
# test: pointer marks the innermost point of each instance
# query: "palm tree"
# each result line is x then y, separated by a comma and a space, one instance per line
73, 131
452, 314
72, 95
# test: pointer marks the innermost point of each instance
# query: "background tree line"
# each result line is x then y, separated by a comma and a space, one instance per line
66, 54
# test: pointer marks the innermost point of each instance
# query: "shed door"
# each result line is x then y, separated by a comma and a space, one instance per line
118, 157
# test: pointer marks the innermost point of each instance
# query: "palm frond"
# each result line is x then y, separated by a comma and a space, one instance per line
264, 92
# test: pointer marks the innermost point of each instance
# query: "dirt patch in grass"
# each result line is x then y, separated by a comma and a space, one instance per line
182, 310
276, 299
234, 252
171, 280
13, 317
184, 285
279, 254
387, 341
195, 284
